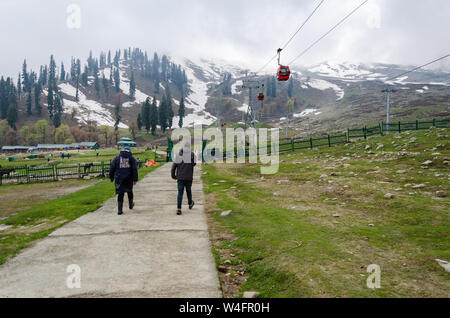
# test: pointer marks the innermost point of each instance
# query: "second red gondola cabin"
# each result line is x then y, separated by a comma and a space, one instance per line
261, 96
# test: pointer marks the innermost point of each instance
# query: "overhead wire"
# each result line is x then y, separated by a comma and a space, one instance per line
293, 36
417, 68
328, 32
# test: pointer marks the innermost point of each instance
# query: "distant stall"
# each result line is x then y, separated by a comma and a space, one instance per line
126, 142
72, 146
15, 149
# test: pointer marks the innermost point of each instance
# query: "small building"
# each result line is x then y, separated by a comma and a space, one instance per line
15, 149
73, 146
84, 145
126, 142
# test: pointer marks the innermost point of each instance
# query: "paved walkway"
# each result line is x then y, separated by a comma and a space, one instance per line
147, 252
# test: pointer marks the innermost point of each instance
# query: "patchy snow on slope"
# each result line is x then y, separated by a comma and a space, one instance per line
306, 112
234, 87
243, 108
68, 89
324, 85
86, 109
197, 98
345, 70
139, 97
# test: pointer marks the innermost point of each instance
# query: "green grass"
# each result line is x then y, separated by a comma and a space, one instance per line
409, 232
40, 220
84, 156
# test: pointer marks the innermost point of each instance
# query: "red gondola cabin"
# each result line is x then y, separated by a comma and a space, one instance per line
261, 96
284, 72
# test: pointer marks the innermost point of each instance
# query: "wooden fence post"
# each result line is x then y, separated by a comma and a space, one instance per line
54, 172
434, 122
103, 169
79, 172
1, 177
417, 125
347, 135
365, 132
329, 141
292, 145
310, 143
399, 127
28, 174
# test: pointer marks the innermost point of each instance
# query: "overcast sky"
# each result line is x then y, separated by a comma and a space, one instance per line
247, 32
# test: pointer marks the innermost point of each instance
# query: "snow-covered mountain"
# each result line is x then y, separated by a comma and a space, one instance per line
317, 86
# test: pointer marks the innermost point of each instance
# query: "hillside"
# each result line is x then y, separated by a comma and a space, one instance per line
327, 97
313, 228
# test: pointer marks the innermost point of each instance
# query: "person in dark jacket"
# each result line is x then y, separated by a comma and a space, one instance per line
124, 171
183, 171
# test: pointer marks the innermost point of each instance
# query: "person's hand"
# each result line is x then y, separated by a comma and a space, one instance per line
134, 182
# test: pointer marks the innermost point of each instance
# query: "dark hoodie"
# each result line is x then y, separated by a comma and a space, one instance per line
124, 170
183, 170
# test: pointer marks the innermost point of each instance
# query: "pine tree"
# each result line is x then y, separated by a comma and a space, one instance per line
25, 76
12, 115
117, 80
12, 109
105, 85
37, 94
19, 87
156, 65
4, 104
96, 81
146, 115
62, 77
274, 87
139, 121
181, 111
84, 76
50, 101
117, 115
169, 109
109, 57
132, 86
57, 108
29, 105
268, 87
154, 115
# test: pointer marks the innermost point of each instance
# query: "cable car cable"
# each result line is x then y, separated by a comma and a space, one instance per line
292, 37
419, 67
333, 28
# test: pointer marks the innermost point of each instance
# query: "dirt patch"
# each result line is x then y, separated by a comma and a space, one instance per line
18, 198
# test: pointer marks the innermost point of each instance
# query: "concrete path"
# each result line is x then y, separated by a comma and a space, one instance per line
147, 252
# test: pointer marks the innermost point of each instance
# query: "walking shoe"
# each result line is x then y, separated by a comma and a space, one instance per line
191, 205
179, 212
131, 205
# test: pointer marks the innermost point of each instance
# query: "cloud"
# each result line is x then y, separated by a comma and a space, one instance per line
245, 32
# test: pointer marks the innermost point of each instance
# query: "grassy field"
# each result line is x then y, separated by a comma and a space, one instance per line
39, 213
82, 156
312, 229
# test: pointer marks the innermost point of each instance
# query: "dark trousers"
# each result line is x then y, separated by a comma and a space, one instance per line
122, 194
181, 185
